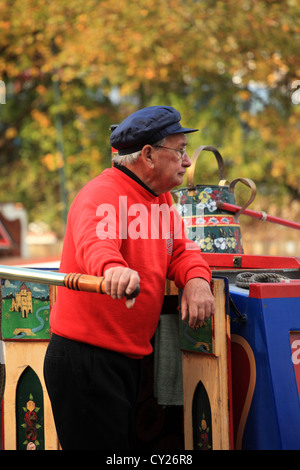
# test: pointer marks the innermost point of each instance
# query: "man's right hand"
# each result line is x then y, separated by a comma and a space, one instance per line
121, 281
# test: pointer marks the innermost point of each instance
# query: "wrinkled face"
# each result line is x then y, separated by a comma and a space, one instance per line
170, 163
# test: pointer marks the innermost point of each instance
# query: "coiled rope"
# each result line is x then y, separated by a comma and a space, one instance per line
244, 279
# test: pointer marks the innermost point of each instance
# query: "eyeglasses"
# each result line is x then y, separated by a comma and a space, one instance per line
181, 151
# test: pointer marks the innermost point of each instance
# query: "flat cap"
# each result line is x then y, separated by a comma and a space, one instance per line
146, 126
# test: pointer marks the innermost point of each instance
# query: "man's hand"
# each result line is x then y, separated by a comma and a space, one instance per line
120, 281
197, 302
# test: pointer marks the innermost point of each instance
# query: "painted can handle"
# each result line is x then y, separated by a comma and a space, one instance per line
194, 158
248, 182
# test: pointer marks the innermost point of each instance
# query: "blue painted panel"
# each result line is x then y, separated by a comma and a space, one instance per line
273, 421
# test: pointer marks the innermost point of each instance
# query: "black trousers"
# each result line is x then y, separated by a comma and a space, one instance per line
93, 393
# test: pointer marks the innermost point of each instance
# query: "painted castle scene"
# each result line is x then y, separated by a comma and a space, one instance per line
25, 310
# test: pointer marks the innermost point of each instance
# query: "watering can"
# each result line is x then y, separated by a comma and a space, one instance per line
215, 230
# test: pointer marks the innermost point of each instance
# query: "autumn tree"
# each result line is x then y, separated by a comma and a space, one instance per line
73, 68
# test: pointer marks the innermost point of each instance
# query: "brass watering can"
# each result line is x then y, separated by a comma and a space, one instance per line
213, 229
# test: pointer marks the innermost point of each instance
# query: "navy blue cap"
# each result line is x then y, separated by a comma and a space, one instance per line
146, 126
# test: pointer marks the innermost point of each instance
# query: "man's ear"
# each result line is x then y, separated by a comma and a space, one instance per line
147, 155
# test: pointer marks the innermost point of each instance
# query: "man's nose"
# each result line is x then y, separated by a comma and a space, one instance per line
186, 160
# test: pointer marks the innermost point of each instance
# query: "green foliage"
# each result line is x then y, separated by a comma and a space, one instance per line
229, 67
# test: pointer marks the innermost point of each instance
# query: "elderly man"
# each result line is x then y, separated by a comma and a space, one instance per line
122, 225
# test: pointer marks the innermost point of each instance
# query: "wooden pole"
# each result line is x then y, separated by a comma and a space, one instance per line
74, 281
258, 215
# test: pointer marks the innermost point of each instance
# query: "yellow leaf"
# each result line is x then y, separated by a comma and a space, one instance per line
43, 120
48, 161
11, 133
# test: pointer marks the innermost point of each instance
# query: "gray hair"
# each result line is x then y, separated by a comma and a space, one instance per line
132, 157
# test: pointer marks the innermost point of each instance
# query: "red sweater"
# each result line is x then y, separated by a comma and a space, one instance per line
112, 222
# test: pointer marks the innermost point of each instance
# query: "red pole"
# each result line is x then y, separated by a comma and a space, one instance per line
258, 215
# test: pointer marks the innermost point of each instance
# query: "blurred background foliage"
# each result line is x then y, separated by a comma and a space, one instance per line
72, 68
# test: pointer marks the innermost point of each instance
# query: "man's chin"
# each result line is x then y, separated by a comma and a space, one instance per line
180, 178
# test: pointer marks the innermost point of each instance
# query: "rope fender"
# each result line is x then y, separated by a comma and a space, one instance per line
244, 279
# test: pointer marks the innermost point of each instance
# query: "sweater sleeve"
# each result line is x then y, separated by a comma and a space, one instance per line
187, 262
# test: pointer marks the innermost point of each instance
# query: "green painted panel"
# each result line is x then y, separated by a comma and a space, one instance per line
202, 423
30, 412
26, 310
197, 340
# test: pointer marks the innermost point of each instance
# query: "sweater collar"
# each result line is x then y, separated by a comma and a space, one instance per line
133, 176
